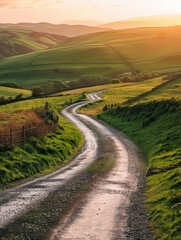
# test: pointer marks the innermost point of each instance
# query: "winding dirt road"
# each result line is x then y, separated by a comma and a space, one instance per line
104, 212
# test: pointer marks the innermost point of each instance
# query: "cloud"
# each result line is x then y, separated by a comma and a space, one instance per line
27, 3
8, 3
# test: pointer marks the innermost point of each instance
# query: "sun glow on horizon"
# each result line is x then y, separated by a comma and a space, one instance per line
56, 11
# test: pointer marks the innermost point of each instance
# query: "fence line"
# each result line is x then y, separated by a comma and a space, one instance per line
12, 137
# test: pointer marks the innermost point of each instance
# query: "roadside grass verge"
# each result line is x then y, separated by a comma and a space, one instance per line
40, 155
156, 128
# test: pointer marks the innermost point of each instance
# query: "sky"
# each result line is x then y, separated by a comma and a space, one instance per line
56, 11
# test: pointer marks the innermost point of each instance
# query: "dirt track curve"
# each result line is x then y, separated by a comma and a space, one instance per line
104, 213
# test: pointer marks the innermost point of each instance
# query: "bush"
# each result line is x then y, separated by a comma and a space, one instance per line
37, 91
114, 81
19, 97
87, 81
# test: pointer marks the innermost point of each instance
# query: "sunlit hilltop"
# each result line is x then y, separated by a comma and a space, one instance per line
152, 21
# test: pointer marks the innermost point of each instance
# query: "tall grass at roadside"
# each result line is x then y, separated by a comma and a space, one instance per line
156, 128
40, 155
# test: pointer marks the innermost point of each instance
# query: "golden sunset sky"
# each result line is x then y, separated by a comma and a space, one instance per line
56, 11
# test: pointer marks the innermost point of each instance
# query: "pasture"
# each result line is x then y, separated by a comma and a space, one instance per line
8, 92
106, 54
119, 93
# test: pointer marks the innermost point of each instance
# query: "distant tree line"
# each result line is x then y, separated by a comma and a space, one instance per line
89, 81
137, 76
11, 85
4, 100
49, 88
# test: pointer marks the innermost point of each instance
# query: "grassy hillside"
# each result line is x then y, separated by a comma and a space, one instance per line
142, 48
16, 42
118, 93
7, 92
106, 54
155, 126
58, 29
171, 90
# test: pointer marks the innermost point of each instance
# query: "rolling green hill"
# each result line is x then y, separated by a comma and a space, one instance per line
8, 92
58, 29
15, 42
106, 54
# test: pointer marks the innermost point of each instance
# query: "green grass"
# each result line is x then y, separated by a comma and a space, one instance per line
118, 93
59, 102
7, 92
39, 156
155, 127
172, 90
100, 54
153, 123
16, 42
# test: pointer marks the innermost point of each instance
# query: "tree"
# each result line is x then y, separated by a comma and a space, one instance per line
19, 96
37, 91
115, 81
46, 106
2, 99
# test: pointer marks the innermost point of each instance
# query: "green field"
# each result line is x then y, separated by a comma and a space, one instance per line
20, 41
7, 92
106, 54
117, 93
30, 104
172, 90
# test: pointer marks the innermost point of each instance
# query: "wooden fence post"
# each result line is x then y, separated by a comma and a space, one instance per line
4, 139
11, 137
23, 133
30, 130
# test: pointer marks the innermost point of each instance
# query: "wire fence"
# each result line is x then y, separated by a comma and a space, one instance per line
11, 137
